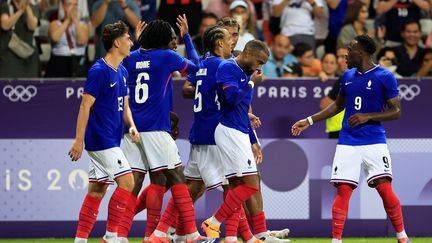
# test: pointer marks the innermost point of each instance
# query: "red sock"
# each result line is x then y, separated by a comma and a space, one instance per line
249, 220
233, 201
259, 224
154, 200
340, 210
127, 219
87, 216
184, 205
180, 230
116, 208
243, 227
168, 217
141, 202
392, 205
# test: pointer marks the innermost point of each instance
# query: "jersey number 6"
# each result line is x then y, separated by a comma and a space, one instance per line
141, 86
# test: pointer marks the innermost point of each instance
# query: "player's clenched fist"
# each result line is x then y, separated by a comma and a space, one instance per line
76, 150
299, 126
133, 132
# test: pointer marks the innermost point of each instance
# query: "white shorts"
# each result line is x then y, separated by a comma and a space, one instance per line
205, 164
106, 165
160, 151
134, 154
236, 152
348, 161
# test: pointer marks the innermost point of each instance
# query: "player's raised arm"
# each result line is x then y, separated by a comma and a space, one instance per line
128, 119
191, 52
334, 108
87, 102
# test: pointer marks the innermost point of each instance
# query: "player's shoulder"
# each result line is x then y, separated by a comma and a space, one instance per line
98, 67
383, 74
228, 64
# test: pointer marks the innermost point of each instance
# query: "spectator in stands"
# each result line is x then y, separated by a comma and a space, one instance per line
280, 56
207, 20
293, 70
334, 124
221, 8
83, 11
69, 37
329, 67
337, 11
387, 58
239, 10
170, 9
354, 24
109, 11
426, 67
409, 54
297, 19
19, 17
148, 9
305, 57
397, 13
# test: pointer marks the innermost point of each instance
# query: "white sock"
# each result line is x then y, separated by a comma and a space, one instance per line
252, 240
179, 238
146, 239
230, 238
261, 235
336, 241
80, 240
213, 220
401, 235
192, 236
159, 233
110, 235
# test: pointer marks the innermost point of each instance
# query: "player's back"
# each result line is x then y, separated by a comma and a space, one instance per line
150, 87
206, 104
235, 116
365, 93
108, 86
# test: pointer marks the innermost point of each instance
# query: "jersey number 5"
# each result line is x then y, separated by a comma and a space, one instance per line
141, 88
198, 97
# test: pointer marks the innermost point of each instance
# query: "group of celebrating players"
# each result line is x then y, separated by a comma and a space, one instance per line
135, 89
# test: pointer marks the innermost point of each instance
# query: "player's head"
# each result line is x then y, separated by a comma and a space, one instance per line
158, 34
360, 49
116, 37
254, 55
233, 28
217, 41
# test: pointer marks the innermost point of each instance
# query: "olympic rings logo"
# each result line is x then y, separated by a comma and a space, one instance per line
19, 92
409, 92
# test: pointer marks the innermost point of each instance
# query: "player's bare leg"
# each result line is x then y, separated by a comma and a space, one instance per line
196, 189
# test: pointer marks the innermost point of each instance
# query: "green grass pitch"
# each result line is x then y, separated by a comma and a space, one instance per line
297, 240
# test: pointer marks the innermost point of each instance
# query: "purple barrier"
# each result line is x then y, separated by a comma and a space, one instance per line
52, 107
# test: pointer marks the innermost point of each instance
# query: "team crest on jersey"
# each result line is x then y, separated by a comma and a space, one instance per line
202, 72
369, 85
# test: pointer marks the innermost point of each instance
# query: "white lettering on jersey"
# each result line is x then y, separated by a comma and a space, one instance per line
143, 64
202, 72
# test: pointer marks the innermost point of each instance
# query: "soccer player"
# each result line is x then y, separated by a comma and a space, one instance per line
234, 134
260, 229
152, 196
150, 69
105, 94
369, 94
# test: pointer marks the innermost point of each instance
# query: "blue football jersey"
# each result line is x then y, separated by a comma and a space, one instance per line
206, 104
150, 86
364, 93
105, 125
229, 74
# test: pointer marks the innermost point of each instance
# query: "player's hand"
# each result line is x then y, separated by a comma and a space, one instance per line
358, 119
182, 24
139, 29
255, 121
134, 134
299, 127
257, 152
75, 151
257, 77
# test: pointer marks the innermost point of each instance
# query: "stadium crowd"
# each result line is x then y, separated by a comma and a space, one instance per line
64, 36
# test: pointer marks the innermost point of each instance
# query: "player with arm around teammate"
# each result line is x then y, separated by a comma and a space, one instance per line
364, 90
103, 109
